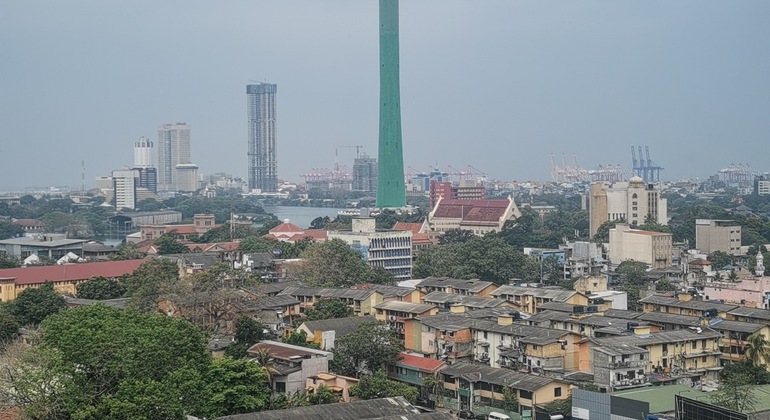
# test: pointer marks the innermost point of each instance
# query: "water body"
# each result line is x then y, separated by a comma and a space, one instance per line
301, 216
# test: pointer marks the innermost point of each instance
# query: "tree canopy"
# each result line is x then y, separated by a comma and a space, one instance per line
101, 288
327, 309
33, 305
379, 386
371, 347
332, 264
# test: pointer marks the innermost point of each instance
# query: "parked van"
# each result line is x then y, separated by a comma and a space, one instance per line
497, 416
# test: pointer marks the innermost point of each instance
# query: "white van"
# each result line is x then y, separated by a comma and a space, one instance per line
497, 416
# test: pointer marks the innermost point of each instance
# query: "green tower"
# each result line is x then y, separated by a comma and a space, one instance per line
390, 162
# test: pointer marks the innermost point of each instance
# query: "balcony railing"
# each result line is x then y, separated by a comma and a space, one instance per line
627, 364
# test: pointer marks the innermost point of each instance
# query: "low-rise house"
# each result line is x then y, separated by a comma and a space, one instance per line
325, 332
461, 303
97, 251
202, 223
30, 225
475, 387
292, 364
291, 233
473, 287
735, 337
528, 299
362, 302
616, 366
49, 245
275, 312
413, 370
444, 336
64, 277
389, 293
337, 384
668, 322
755, 315
395, 313
684, 305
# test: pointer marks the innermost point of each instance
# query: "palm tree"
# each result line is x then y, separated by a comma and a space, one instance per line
262, 358
434, 385
757, 349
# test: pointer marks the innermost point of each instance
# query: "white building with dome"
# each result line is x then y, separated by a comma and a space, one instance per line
633, 202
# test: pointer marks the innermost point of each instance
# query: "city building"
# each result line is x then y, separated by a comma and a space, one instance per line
124, 189
472, 287
632, 202
361, 301
478, 216
391, 250
64, 277
468, 189
365, 174
414, 370
718, 235
292, 364
653, 248
186, 177
529, 299
762, 184
262, 133
173, 149
143, 165
50, 245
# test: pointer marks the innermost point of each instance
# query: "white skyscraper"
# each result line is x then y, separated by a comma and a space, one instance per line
143, 153
124, 188
173, 149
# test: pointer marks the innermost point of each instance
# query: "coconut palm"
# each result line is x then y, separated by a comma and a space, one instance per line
262, 358
757, 349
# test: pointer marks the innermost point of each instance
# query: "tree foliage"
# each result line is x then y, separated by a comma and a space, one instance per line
371, 347
487, 258
9, 328
757, 349
720, 259
168, 244
327, 309
150, 282
10, 230
124, 364
379, 386
298, 338
101, 288
757, 375
735, 393
332, 264
455, 236
9, 261
236, 386
33, 305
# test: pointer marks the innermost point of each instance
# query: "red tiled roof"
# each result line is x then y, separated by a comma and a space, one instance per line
472, 210
402, 226
286, 228
420, 363
181, 229
70, 272
421, 238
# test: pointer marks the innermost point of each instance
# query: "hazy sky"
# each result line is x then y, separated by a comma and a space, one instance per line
497, 84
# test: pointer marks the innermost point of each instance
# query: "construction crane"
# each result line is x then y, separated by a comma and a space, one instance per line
358, 150
644, 167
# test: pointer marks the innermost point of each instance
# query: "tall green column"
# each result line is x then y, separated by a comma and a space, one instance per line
390, 162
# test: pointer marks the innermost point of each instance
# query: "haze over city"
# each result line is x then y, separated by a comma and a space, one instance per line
499, 85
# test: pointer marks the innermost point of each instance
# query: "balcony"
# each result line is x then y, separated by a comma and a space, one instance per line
627, 364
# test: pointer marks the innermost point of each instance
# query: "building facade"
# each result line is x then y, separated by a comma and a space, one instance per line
633, 202
365, 173
653, 248
718, 235
124, 189
391, 250
262, 132
173, 149
143, 165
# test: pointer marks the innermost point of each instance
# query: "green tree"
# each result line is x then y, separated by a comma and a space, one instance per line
323, 395
603, 231
9, 261
720, 259
758, 375
510, 400
9, 328
455, 236
10, 230
167, 244
434, 385
33, 305
371, 347
332, 264
327, 309
150, 282
124, 364
101, 288
379, 386
127, 251
236, 386
757, 349
664, 285
298, 338
248, 331
256, 244
735, 393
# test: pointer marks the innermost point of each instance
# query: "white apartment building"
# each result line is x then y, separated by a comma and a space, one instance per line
391, 250
653, 248
632, 201
124, 188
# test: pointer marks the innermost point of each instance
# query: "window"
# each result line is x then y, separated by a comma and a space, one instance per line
526, 395
557, 391
703, 359
280, 387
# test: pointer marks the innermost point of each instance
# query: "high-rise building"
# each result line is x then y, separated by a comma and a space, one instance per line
262, 154
391, 191
124, 189
718, 235
365, 173
173, 149
143, 165
186, 177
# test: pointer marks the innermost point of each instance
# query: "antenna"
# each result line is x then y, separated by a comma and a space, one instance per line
83, 177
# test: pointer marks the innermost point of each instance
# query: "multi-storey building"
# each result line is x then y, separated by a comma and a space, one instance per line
124, 188
262, 132
653, 248
473, 287
718, 235
143, 165
466, 190
365, 174
528, 299
478, 216
633, 202
173, 149
390, 250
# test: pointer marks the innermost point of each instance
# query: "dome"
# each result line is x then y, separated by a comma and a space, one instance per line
636, 180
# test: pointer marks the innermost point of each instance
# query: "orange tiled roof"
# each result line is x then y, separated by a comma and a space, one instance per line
70, 272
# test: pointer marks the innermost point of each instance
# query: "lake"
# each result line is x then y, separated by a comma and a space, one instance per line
301, 216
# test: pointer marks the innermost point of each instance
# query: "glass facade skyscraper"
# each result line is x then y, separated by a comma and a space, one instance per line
261, 119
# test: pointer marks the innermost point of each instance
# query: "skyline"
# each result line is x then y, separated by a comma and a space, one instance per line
519, 82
